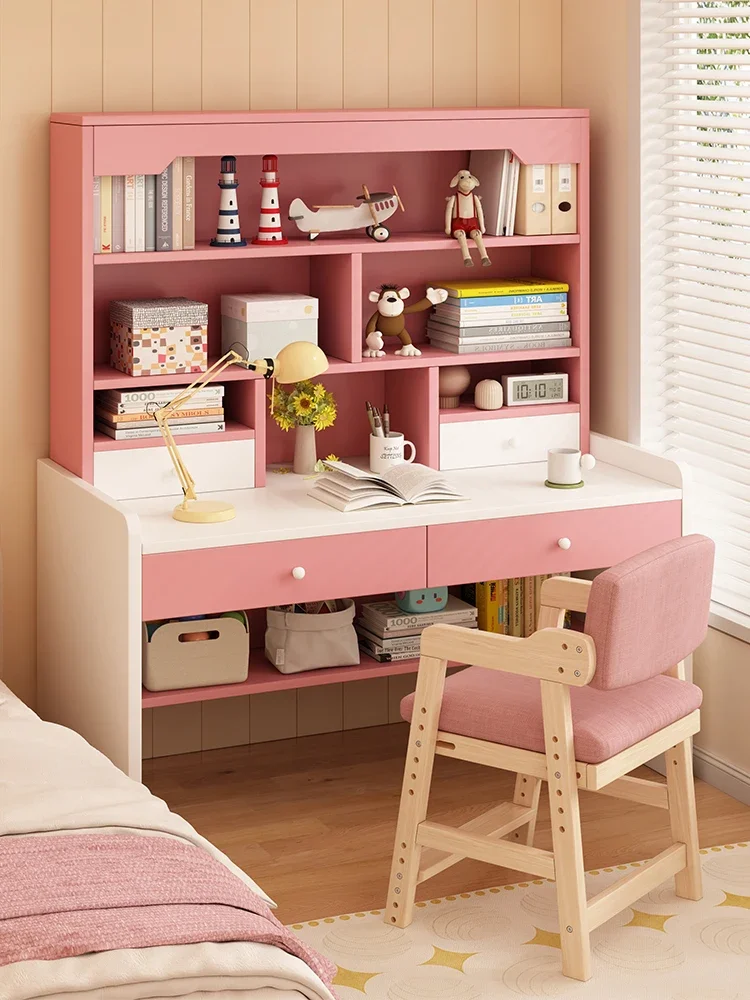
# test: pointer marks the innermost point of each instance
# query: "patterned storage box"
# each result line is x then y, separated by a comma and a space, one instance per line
158, 336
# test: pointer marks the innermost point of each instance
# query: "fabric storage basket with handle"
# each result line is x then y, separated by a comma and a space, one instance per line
196, 653
297, 642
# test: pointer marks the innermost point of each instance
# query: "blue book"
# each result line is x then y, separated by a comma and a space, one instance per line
544, 298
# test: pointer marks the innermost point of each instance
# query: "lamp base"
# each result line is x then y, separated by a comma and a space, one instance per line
204, 511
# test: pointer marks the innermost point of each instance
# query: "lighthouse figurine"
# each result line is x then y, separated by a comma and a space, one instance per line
228, 227
269, 229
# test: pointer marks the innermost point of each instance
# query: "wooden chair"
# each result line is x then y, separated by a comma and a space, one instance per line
574, 709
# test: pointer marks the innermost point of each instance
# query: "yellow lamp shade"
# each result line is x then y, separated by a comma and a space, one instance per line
299, 361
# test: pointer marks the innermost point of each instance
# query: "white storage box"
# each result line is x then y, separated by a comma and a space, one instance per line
171, 660
474, 444
297, 642
137, 473
263, 323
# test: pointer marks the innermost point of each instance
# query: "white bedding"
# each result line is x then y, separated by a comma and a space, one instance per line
51, 781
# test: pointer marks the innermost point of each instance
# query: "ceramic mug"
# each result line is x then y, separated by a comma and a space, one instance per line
565, 465
385, 452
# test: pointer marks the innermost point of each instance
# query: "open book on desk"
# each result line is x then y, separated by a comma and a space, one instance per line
346, 487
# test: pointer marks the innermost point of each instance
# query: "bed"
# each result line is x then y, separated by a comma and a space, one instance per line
66, 809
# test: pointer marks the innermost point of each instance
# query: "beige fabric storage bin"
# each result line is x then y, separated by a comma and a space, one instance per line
223, 658
307, 642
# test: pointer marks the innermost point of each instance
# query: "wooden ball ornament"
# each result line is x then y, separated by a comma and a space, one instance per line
488, 395
453, 381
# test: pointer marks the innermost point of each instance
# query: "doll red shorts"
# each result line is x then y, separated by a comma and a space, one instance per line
464, 225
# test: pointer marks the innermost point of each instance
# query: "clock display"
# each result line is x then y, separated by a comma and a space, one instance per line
526, 390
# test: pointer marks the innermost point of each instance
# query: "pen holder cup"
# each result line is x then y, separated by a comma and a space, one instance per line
385, 452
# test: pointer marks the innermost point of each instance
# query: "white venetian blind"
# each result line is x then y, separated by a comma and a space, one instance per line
695, 306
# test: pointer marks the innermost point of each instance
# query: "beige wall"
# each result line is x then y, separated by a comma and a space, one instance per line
722, 668
94, 55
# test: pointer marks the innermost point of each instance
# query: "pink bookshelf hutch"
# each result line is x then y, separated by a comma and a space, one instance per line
107, 564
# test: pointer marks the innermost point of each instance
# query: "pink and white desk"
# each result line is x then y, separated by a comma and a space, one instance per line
105, 566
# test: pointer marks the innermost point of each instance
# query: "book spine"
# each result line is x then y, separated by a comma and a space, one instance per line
185, 416
458, 337
503, 345
531, 330
130, 213
515, 604
106, 214
164, 210
495, 314
464, 323
488, 301
124, 397
528, 605
504, 610
140, 212
177, 203
487, 592
118, 214
97, 212
406, 644
418, 621
188, 203
469, 290
133, 433
382, 656
150, 212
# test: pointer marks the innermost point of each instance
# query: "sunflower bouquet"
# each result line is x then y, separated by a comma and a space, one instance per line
306, 405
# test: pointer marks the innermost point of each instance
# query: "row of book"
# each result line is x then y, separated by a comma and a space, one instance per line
388, 634
138, 213
526, 199
127, 415
509, 607
502, 314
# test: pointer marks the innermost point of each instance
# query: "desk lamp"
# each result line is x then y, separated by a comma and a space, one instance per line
294, 363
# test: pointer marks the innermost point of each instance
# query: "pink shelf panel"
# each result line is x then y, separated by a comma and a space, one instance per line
353, 243
467, 411
109, 378
234, 432
263, 677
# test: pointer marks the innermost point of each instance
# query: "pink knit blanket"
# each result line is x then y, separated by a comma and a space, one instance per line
67, 895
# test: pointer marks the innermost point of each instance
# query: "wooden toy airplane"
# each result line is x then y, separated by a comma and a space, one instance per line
369, 215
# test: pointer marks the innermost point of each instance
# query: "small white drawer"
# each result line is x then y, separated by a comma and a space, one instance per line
137, 473
473, 444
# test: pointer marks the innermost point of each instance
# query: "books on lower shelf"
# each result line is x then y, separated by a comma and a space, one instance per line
347, 488
507, 314
509, 607
126, 415
138, 213
388, 634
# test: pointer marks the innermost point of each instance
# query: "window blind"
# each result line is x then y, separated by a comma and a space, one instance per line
695, 289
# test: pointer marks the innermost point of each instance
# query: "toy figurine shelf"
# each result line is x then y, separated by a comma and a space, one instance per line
467, 411
264, 677
296, 247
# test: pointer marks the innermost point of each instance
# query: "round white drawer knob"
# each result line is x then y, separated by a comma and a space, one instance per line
563, 543
299, 571
509, 443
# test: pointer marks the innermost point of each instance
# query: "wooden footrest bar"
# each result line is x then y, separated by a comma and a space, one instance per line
616, 897
497, 822
471, 845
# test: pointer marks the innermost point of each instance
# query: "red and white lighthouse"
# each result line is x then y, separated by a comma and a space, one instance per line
269, 230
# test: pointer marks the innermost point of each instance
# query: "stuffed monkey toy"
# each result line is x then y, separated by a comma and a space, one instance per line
388, 320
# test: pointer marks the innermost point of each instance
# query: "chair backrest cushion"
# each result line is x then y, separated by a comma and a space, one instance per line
649, 612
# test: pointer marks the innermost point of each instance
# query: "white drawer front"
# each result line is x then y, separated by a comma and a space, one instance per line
135, 473
473, 444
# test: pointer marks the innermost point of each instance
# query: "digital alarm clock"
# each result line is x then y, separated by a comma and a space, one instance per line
523, 390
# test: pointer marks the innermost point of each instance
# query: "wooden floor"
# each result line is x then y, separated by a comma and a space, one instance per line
312, 819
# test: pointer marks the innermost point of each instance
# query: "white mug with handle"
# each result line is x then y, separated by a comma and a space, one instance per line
386, 452
564, 468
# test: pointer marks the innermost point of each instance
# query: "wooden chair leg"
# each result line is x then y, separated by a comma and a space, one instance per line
415, 792
683, 818
566, 831
527, 793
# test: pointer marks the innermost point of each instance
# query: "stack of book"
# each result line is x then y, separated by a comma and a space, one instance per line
388, 634
501, 314
126, 415
143, 212
510, 607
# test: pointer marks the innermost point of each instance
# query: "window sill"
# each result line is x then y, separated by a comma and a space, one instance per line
730, 622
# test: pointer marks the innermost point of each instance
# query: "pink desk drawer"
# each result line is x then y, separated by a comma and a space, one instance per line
525, 546
205, 581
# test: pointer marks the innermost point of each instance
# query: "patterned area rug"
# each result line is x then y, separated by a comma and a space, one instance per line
503, 943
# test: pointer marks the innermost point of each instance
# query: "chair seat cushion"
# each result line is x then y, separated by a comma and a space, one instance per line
507, 709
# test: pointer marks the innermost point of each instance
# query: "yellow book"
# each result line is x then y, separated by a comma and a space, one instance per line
502, 286
490, 606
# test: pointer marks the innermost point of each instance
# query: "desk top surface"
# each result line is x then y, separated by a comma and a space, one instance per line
283, 510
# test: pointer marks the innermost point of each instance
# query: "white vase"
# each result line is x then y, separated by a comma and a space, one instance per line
305, 454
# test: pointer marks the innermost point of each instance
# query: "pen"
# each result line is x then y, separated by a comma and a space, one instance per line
386, 420
370, 416
378, 426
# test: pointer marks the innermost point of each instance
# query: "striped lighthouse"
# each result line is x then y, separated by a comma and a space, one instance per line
269, 229
228, 227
